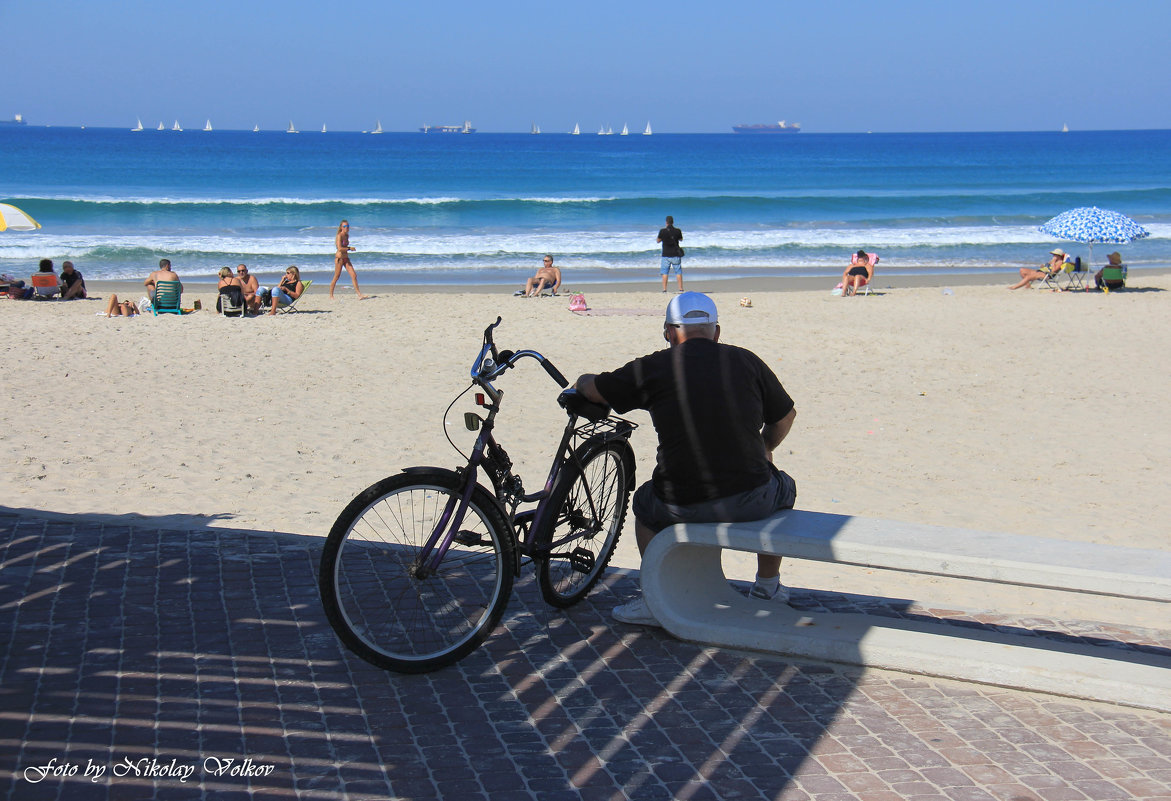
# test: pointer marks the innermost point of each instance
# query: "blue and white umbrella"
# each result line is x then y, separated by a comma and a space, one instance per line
1091, 224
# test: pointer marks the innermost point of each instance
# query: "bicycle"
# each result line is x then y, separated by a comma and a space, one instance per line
418, 568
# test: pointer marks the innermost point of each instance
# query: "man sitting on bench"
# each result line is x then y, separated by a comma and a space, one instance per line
719, 413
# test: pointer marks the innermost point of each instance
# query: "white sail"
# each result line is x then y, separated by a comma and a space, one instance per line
323, 129
576, 130
255, 129
161, 126
292, 128
647, 132
602, 131
139, 126
378, 128
1065, 128
176, 127
625, 130
535, 129
207, 126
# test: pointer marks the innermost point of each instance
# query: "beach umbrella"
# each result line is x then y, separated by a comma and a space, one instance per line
1091, 224
12, 218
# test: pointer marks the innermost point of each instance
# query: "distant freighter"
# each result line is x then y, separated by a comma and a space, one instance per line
762, 128
17, 120
465, 128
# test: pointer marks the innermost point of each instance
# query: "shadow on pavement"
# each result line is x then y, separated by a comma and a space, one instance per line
141, 661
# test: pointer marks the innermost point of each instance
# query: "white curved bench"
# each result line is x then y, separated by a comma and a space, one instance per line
684, 584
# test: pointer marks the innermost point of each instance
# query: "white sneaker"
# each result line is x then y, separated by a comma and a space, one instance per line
636, 612
781, 596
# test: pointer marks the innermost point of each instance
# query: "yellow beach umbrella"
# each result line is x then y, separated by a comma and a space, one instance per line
13, 219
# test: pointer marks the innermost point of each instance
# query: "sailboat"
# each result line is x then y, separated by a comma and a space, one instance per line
292, 129
1065, 128
536, 129
176, 126
139, 126
255, 129
323, 129
576, 130
647, 132
602, 131
625, 130
161, 126
207, 125
377, 128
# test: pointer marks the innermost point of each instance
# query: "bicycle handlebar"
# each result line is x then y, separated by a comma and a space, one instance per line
485, 369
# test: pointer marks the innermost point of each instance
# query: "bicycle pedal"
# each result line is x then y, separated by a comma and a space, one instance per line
466, 537
581, 560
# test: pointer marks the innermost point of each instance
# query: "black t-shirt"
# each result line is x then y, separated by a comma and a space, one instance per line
69, 279
708, 402
670, 237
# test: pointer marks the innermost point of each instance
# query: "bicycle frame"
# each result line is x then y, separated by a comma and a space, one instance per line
487, 453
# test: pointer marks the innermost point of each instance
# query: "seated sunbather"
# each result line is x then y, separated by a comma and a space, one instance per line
1115, 260
859, 273
547, 276
231, 286
289, 290
1029, 275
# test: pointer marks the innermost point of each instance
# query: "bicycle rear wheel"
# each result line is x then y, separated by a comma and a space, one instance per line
388, 611
588, 507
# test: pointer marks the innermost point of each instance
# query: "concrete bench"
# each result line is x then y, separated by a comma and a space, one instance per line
684, 584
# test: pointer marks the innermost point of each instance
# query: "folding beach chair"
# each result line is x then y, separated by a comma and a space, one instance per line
231, 304
45, 285
1110, 273
166, 298
1072, 272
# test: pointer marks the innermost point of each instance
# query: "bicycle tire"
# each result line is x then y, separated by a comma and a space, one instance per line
607, 469
375, 601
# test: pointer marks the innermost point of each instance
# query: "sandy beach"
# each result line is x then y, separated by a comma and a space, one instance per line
967, 405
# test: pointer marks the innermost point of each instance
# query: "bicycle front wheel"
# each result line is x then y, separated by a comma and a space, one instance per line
587, 509
382, 596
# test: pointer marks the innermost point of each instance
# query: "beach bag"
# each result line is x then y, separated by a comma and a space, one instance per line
578, 303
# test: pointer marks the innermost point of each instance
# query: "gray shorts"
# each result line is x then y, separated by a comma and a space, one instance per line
779, 492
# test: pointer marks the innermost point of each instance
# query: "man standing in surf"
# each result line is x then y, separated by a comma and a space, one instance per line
672, 259
341, 258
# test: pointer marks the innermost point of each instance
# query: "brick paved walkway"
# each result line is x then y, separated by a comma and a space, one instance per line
198, 664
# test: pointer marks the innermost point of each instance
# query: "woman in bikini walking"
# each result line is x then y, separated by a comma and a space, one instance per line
341, 258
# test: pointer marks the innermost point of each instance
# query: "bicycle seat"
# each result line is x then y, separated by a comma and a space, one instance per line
574, 402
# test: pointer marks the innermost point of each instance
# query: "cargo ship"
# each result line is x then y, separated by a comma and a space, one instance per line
466, 128
768, 128
17, 120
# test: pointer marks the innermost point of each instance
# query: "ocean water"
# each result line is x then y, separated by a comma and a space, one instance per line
484, 208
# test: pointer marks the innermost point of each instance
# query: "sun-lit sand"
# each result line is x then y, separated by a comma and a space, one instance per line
1029, 412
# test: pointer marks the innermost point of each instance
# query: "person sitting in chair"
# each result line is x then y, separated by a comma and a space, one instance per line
859, 273
289, 290
547, 276
1029, 275
231, 286
163, 273
44, 288
1114, 260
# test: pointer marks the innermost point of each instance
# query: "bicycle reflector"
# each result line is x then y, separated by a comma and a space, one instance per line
471, 421
480, 399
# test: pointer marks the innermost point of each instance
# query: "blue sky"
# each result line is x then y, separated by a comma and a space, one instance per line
832, 65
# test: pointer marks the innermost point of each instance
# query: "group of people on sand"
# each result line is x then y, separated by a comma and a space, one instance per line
242, 290
1058, 259
48, 285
